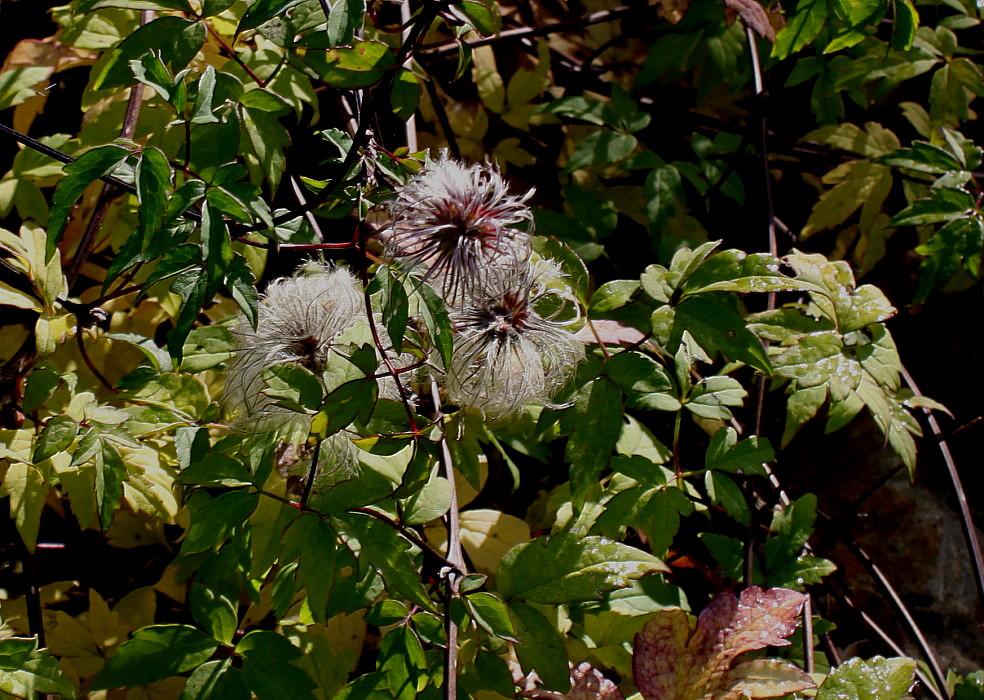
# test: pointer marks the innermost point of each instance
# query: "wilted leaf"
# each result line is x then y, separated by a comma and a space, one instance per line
670, 663
754, 15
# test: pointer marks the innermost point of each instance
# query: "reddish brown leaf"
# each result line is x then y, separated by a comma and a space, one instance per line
673, 10
587, 683
754, 15
659, 648
669, 667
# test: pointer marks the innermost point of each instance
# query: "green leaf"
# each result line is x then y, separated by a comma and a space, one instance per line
215, 610
492, 615
630, 117
10, 296
956, 245
239, 279
396, 306
740, 272
345, 21
263, 11
583, 108
178, 40
89, 5
726, 454
943, 204
570, 262
216, 679
429, 503
216, 247
664, 194
267, 139
712, 396
153, 179
713, 321
18, 84
612, 295
437, 321
214, 470
213, 520
313, 542
724, 492
110, 475
922, 157
89, 167
25, 671
402, 660
151, 71
599, 423
802, 28
728, 552
857, 679
540, 647
567, 568
405, 97
352, 400
601, 147
58, 434
268, 669
204, 109
358, 66
859, 183
26, 486
483, 17
386, 552
790, 530
153, 654
192, 286
645, 380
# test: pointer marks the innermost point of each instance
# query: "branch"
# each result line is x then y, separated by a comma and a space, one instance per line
521, 33
455, 556
966, 519
66, 159
895, 601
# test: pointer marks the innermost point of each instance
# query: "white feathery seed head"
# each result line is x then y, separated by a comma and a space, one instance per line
506, 353
457, 222
299, 317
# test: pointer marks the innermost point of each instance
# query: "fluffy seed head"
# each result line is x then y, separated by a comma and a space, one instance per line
298, 319
456, 222
506, 354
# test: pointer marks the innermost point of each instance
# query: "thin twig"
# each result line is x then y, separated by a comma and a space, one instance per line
407, 533
809, 662
309, 216
233, 55
403, 530
900, 608
66, 159
442, 116
873, 489
966, 519
410, 126
521, 33
455, 555
79, 332
312, 472
390, 368
887, 640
